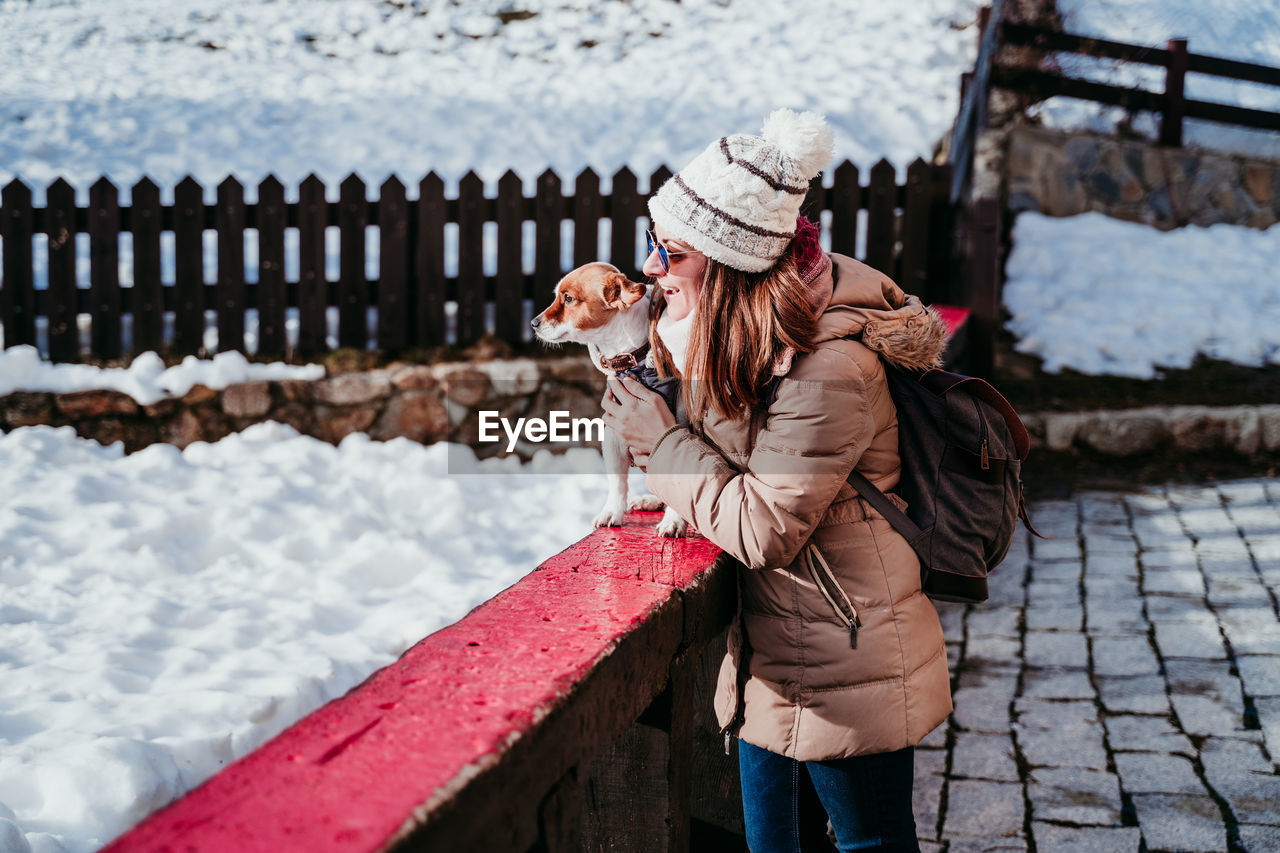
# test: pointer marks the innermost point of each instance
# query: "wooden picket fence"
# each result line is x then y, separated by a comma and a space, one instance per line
908, 235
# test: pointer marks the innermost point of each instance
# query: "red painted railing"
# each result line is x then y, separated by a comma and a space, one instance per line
476, 738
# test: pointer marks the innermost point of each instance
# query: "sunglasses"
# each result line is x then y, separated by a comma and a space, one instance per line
664, 255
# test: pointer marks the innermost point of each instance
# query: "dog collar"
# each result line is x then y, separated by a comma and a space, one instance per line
626, 361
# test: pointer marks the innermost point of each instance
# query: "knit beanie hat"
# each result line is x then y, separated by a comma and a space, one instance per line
738, 200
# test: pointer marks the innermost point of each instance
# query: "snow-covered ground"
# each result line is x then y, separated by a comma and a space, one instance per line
244, 87
150, 623
1108, 297
1244, 30
165, 612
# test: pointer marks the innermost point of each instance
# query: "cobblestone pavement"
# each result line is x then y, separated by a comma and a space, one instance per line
1120, 690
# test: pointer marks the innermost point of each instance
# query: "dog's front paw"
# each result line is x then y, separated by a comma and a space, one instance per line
647, 503
610, 516
672, 525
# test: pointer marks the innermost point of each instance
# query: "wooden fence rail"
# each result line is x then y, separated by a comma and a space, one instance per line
907, 234
1172, 104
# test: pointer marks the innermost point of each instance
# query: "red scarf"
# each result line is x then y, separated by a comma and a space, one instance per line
806, 250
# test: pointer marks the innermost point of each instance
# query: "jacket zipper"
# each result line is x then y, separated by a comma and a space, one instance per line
832, 591
835, 595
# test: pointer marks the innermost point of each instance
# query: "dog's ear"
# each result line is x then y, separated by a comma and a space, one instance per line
620, 292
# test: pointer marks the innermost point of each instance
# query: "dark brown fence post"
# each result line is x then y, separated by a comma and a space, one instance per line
230, 287
17, 292
659, 177
639, 792
1175, 104
188, 234
393, 265
509, 288
353, 289
148, 290
624, 201
60, 223
915, 232
814, 201
586, 218
271, 288
880, 217
104, 268
560, 816
680, 752
846, 198
471, 258
313, 290
430, 294
548, 211
941, 269
984, 284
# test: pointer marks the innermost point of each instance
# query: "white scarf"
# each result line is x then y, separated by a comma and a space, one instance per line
674, 335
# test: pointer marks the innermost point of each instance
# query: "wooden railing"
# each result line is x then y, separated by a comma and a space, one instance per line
976, 227
972, 116
482, 736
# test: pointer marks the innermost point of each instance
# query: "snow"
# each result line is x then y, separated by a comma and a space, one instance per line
247, 88
151, 628
151, 623
1244, 30
1102, 296
146, 379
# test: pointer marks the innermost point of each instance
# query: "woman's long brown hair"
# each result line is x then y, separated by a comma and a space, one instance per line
742, 324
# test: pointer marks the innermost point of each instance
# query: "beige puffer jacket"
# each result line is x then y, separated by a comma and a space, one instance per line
836, 651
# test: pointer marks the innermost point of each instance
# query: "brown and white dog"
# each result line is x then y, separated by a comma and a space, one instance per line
598, 306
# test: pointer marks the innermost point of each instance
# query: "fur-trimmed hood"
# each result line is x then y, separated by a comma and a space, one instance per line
863, 301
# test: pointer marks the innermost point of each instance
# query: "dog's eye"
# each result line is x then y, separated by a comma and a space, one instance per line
567, 299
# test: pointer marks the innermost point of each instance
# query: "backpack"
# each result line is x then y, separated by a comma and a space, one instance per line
961, 446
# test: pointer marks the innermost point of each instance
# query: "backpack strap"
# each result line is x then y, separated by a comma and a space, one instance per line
896, 517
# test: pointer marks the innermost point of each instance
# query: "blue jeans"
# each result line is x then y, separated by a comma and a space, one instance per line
786, 803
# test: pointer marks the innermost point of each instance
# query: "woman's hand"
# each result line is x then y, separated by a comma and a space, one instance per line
639, 416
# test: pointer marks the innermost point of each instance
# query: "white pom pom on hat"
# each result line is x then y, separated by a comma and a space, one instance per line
738, 201
803, 137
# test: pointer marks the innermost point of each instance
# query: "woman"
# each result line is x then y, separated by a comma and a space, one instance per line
836, 665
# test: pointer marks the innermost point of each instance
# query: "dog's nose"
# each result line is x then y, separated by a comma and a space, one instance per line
535, 322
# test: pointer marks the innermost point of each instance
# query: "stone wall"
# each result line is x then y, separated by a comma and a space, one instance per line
442, 403
425, 403
1247, 431
1064, 174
